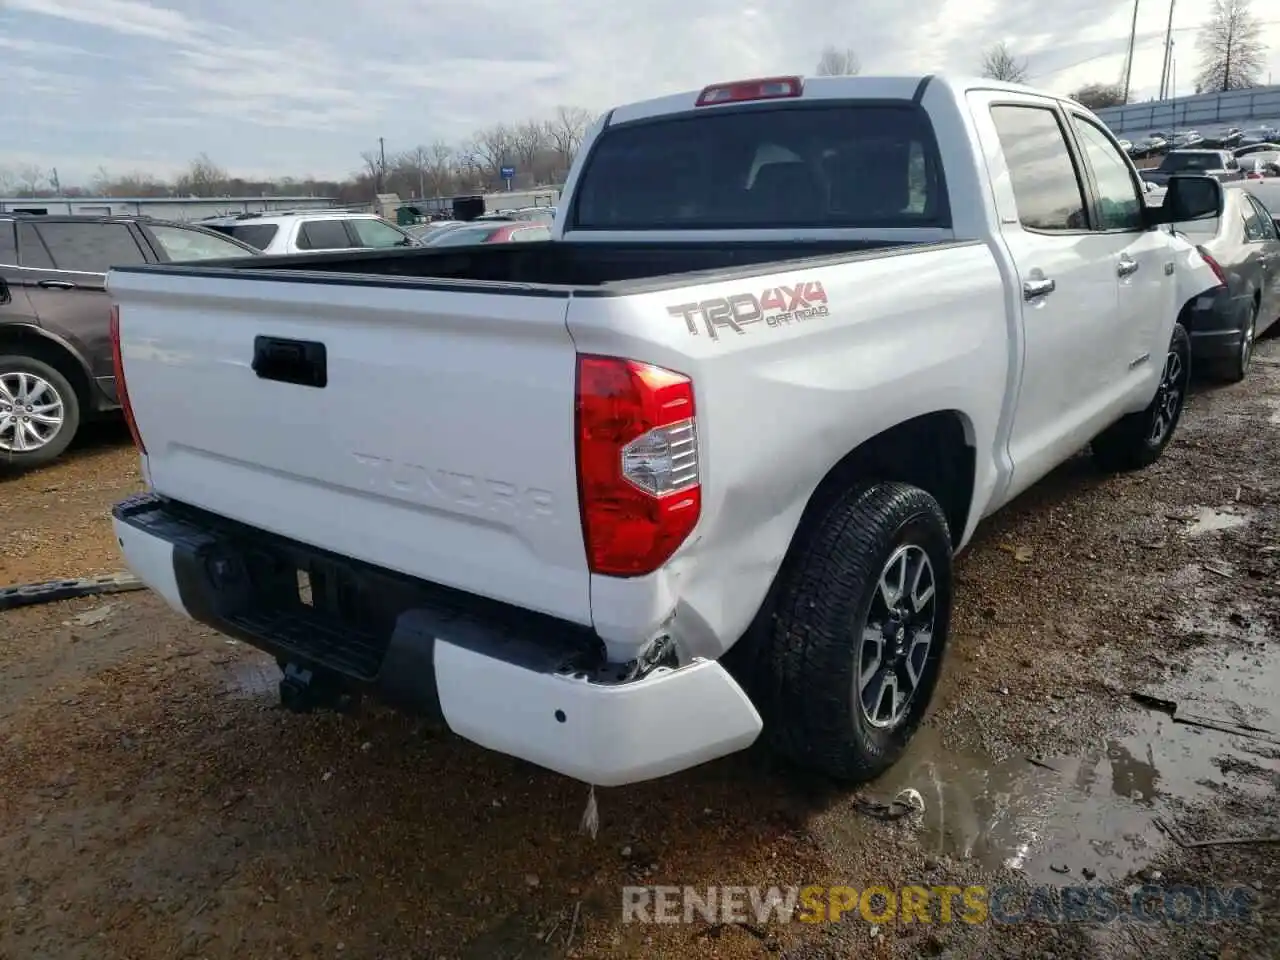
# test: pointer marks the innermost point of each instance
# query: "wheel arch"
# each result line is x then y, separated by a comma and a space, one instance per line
38, 343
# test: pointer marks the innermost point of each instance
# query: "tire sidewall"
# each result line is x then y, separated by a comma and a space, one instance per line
70, 407
883, 745
1249, 335
1181, 343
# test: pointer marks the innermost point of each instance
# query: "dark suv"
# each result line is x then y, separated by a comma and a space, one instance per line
55, 316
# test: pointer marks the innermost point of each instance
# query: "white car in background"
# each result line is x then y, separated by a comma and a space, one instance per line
282, 233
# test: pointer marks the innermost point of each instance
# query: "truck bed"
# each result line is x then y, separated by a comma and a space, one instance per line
560, 265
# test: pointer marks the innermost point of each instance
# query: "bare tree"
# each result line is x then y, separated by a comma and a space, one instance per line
7, 181
494, 148
528, 141
440, 168
565, 131
29, 177
373, 170
416, 161
836, 62
203, 178
1232, 54
1097, 96
999, 64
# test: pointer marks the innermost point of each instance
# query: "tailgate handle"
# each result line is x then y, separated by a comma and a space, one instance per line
303, 362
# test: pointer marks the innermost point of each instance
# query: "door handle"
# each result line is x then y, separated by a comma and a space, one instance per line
301, 362
1127, 267
56, 284
1034, 289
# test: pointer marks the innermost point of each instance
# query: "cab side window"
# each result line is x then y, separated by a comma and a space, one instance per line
1045, 185
1119, 203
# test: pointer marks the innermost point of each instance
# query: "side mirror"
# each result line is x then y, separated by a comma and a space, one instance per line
1190, 198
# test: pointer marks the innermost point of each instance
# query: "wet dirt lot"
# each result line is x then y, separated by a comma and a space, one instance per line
155, 803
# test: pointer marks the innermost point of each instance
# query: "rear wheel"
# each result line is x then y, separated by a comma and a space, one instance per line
39, 412
1136, 441
859, 630
1237, 368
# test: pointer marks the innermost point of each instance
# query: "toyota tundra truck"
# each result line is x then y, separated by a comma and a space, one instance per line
694, 470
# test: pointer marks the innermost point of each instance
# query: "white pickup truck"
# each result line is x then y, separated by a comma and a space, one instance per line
695, 468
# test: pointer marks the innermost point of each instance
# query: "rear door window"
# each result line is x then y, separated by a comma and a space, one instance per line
31, 251
257, 235
324, 235
829, 166
90, 247
376, 234
8, 243
1046, 187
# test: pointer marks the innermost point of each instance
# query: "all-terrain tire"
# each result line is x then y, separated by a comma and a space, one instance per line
813, 649
11, 369
1133, 442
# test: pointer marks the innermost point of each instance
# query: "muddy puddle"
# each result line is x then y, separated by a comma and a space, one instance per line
1068, 820
1215, 519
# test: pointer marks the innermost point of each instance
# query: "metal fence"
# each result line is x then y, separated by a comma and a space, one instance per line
1235, 106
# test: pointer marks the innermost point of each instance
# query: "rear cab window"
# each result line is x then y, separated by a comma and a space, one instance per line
1190, 161
90, 247
821, 165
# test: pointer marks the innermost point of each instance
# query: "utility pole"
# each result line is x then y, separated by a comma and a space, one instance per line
55, 182
382, 164
1128, 63
1168, 53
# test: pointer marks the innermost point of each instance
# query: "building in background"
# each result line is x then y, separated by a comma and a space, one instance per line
162, 208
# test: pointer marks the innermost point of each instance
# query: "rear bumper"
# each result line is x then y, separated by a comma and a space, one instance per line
1217, 322
513, 681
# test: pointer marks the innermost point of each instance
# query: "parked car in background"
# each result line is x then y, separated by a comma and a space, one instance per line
1259, 166
695, 468
489, 231
56, 367
1219, 164
1218, 138
1242, 246
1185, 140
1263, 133
282, 233
1265, 146
1149, 146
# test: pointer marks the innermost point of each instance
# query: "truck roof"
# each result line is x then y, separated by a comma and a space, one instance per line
831, 88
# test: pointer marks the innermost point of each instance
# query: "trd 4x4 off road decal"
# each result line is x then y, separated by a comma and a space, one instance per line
777, 307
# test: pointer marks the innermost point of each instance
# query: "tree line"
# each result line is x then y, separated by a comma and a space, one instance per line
539, 151
1232, 56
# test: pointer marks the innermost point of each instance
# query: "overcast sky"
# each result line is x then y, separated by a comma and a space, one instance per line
301, 87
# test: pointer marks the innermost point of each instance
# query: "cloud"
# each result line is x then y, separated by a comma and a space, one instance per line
302, 87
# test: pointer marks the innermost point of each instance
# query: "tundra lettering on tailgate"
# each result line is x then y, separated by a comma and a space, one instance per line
777, 306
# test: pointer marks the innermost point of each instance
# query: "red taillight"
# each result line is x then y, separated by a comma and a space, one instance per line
1213, 265
122, 392
769, 88
638, 478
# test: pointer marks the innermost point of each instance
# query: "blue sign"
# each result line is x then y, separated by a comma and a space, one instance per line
508, 173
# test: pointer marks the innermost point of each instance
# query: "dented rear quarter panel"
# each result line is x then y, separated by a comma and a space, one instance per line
782, 399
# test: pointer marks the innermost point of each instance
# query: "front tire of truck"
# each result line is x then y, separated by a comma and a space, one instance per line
39, 412
1136, 441
858, 631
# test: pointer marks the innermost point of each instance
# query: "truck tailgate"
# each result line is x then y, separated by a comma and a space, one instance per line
441, 443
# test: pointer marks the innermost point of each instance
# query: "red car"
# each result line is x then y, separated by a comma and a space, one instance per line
488, 231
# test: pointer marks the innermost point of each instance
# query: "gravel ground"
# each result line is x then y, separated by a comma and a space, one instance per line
154, 802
